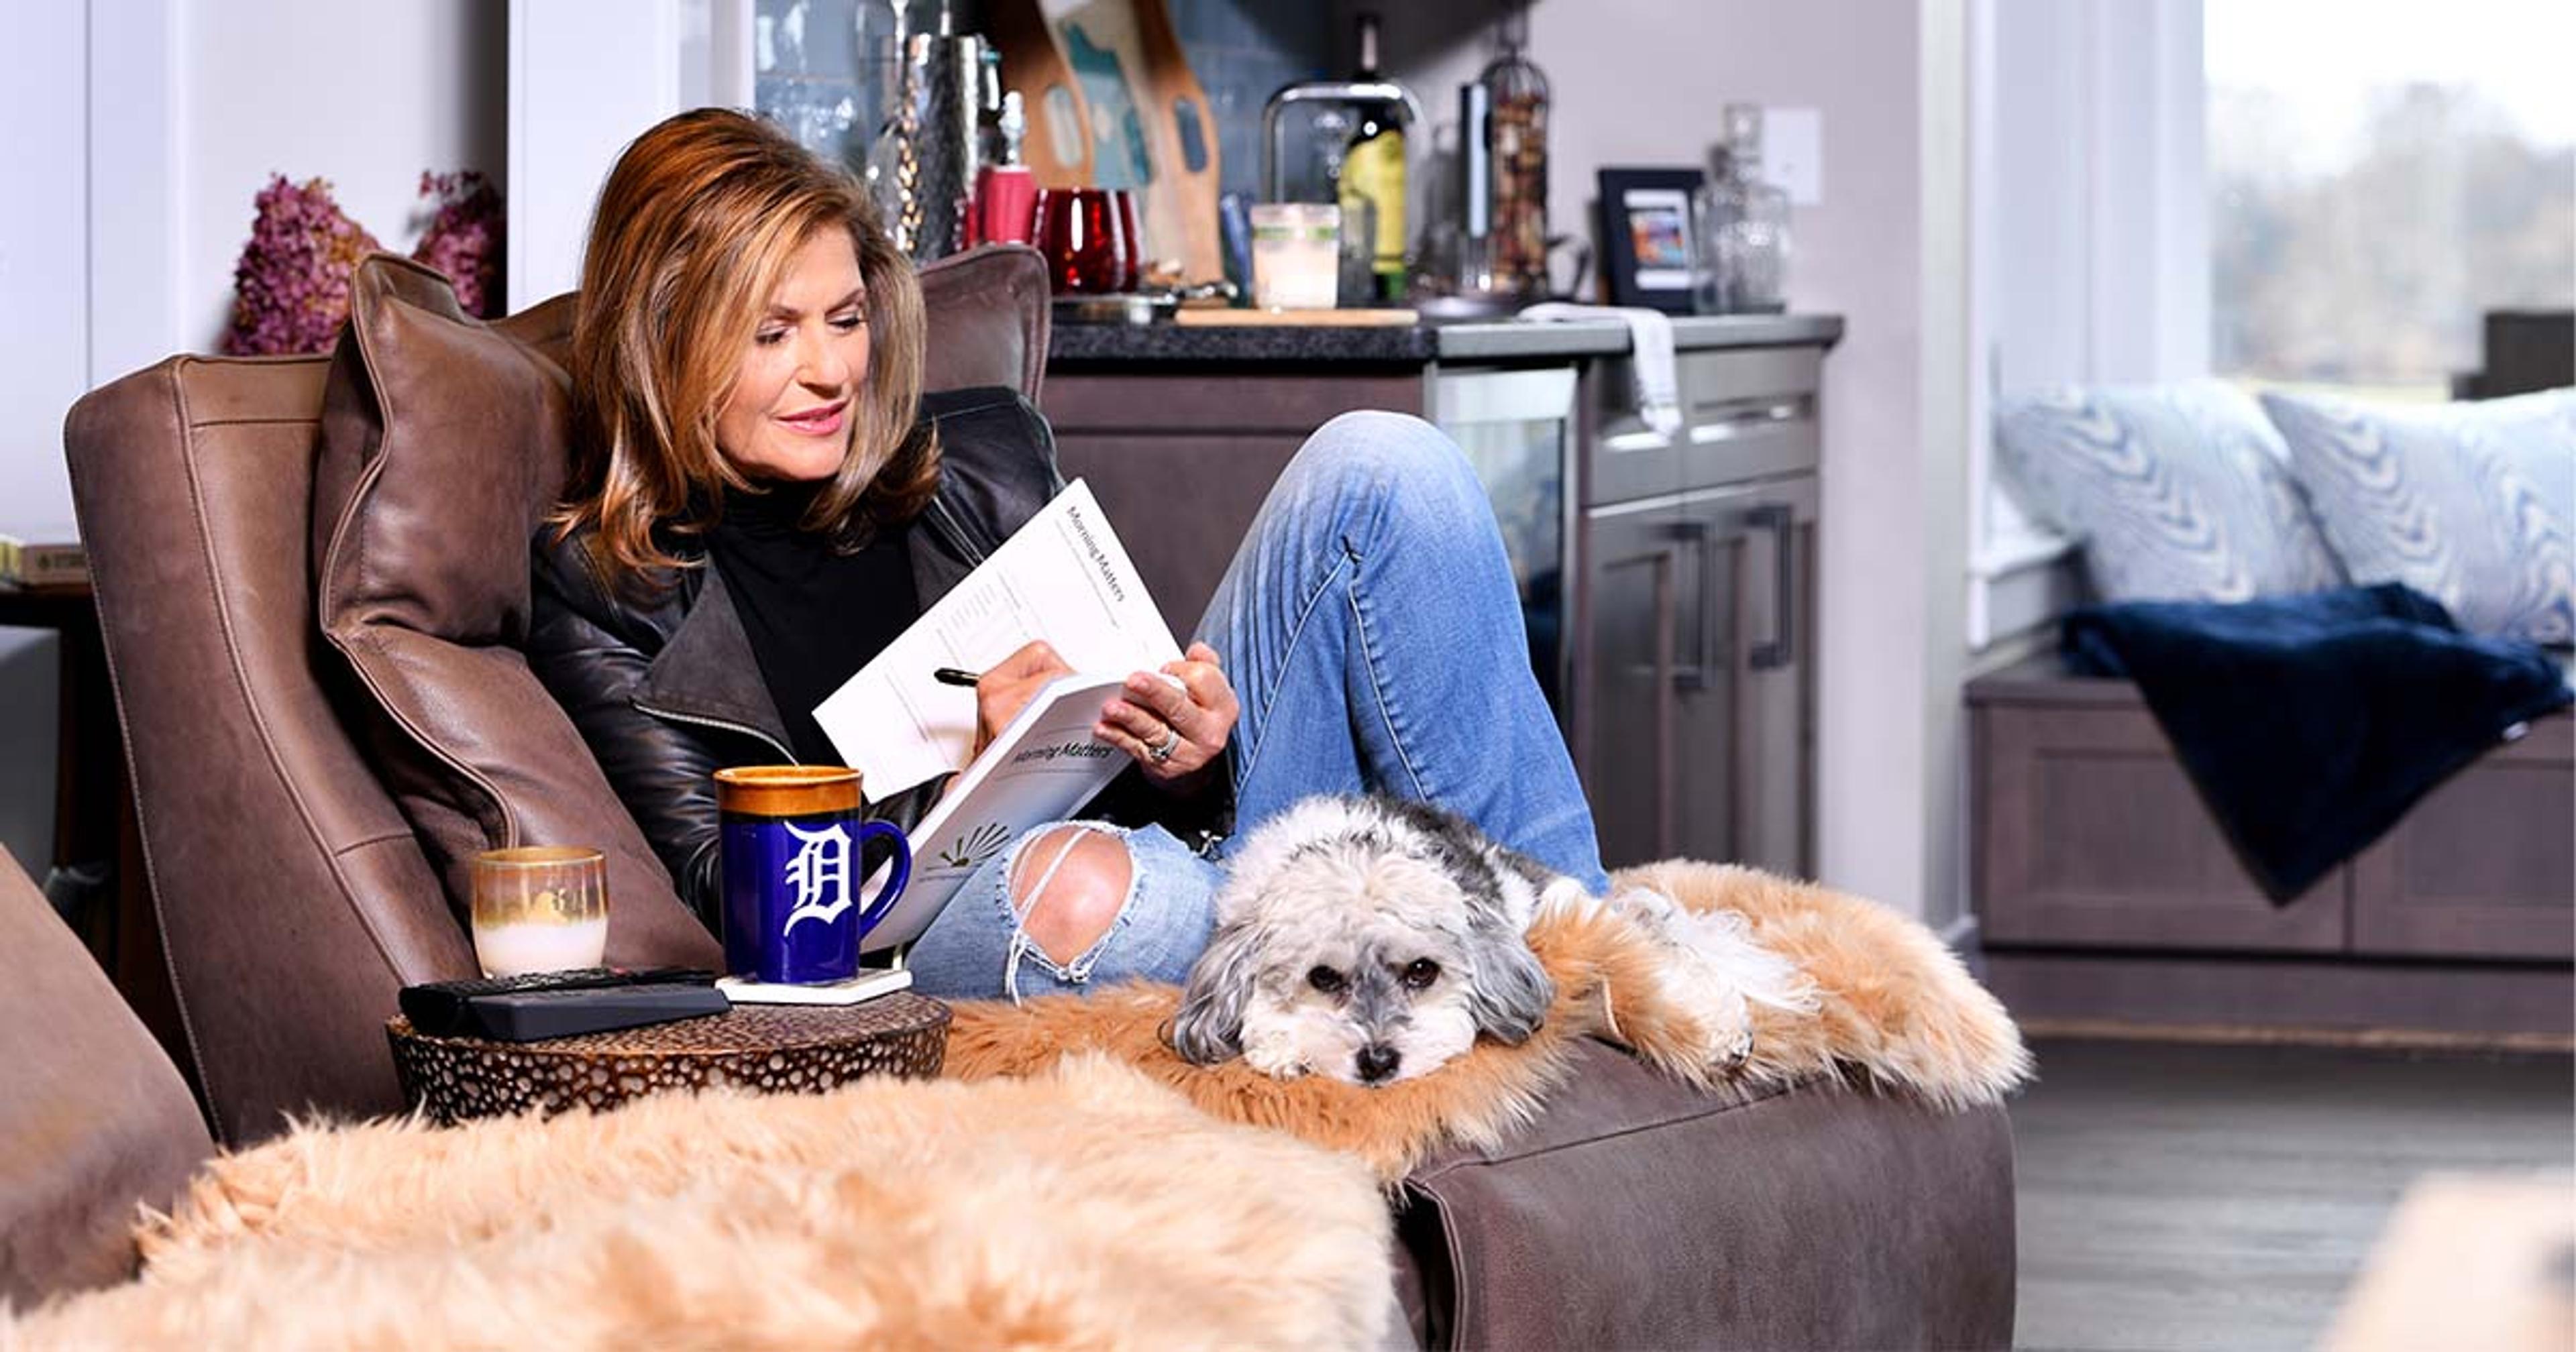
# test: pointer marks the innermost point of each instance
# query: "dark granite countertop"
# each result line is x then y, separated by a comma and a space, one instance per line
1492, 340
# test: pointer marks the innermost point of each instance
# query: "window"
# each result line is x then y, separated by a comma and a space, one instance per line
2278, 192
2380, 176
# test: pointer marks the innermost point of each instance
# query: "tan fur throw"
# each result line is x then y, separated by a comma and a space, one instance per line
1894, 1010
1085, 1207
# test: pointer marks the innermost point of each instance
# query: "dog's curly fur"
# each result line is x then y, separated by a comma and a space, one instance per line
1367, 939
1892, 1010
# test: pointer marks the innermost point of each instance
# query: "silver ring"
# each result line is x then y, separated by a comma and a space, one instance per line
1171, 743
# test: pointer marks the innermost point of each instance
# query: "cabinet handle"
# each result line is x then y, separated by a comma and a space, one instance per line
1704, 657
1666, 719
1746, 418
1782, 521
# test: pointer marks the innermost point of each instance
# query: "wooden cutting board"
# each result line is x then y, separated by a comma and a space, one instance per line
1182, 132
1112, 103
1057, 148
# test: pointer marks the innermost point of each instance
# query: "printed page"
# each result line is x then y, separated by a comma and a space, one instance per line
1041, 768
1063, 577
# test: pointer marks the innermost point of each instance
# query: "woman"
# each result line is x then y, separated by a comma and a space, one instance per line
762, 498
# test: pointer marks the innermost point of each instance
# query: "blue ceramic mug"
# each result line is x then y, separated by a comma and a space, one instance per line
791, 844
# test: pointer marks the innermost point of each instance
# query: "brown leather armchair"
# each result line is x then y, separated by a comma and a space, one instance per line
95, 1120
294, 899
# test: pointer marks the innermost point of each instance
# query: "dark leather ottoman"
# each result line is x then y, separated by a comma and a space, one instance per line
1640, 1213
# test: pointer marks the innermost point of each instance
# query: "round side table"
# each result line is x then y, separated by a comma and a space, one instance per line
774, 1048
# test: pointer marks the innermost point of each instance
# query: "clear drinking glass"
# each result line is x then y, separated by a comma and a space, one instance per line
1296, 255
540, 908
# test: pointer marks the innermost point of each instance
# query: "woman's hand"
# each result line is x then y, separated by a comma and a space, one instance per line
1006, 689
1175, 734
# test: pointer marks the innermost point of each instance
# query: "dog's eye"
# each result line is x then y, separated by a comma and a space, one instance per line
1327, 980
1421, 972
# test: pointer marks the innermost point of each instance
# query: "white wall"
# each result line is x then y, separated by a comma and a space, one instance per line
2102, 203
43, 367
2097, 203
138, 132
585, 78
1643, 82
365, 93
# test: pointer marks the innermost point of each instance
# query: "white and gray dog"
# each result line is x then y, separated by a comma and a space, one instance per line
1368, 939
1372, 940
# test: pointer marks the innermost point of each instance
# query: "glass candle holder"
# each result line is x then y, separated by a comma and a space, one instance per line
540, 908
1078, 232
1131, 236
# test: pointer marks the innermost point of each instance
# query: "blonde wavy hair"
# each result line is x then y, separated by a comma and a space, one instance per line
693, 234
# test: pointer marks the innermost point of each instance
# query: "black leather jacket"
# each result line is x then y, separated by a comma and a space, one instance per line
664, 687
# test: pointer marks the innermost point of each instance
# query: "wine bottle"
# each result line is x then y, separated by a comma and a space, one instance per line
1373, 168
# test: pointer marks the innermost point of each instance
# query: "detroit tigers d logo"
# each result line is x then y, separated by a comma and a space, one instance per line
820, 873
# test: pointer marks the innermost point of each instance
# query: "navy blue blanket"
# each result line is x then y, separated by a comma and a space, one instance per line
2311, 723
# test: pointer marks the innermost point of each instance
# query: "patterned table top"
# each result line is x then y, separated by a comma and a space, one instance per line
775, 1048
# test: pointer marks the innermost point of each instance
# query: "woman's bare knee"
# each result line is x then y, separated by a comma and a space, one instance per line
1066, 907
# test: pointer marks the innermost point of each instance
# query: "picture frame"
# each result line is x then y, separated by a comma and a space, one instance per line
1648, 235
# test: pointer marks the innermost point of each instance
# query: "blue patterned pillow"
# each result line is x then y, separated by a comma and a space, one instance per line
2179, 493
2466, 503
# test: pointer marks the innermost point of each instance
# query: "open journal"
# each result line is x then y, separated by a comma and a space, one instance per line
1064, 578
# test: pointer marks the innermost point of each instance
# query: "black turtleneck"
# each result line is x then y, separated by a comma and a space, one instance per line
814, 616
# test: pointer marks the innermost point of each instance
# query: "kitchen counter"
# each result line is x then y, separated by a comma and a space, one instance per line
1108, 346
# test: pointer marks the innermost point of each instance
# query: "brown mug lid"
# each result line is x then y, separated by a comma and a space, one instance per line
787, 790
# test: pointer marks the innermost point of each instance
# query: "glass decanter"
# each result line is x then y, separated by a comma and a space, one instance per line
1743, 255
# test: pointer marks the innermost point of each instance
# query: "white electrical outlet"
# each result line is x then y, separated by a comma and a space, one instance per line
1793, 153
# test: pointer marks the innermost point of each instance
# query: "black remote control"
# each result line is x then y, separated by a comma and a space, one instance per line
528, 1016
440, 1008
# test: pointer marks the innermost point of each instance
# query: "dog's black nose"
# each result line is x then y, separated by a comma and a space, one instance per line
1377, 1061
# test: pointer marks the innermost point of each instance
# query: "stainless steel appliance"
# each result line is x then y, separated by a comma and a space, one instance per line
1518, 427
1668, 585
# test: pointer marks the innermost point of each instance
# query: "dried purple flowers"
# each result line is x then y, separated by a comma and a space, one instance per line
464, 239
291, 288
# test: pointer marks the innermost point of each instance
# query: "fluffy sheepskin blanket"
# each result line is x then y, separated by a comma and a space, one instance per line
1890, 1009
1059, 1191
1084, 1207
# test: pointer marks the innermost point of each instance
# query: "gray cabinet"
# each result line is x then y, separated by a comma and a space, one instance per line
1693, 717
2485, 865
2087, 834
2106, 891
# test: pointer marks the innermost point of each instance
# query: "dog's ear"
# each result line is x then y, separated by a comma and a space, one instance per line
1508, 992
1209, 1026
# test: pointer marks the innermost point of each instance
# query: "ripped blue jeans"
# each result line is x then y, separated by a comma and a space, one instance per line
1371, 629
978, 948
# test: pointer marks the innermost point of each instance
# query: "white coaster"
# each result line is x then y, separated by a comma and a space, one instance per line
859, 989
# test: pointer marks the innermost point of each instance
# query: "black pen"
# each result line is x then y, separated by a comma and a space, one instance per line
954, 676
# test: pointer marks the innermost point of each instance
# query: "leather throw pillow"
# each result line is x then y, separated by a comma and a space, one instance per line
442, 448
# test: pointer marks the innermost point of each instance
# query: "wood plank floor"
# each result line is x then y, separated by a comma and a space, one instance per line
2177, 1196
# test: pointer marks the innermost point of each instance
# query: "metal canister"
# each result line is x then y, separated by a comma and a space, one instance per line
944, 77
